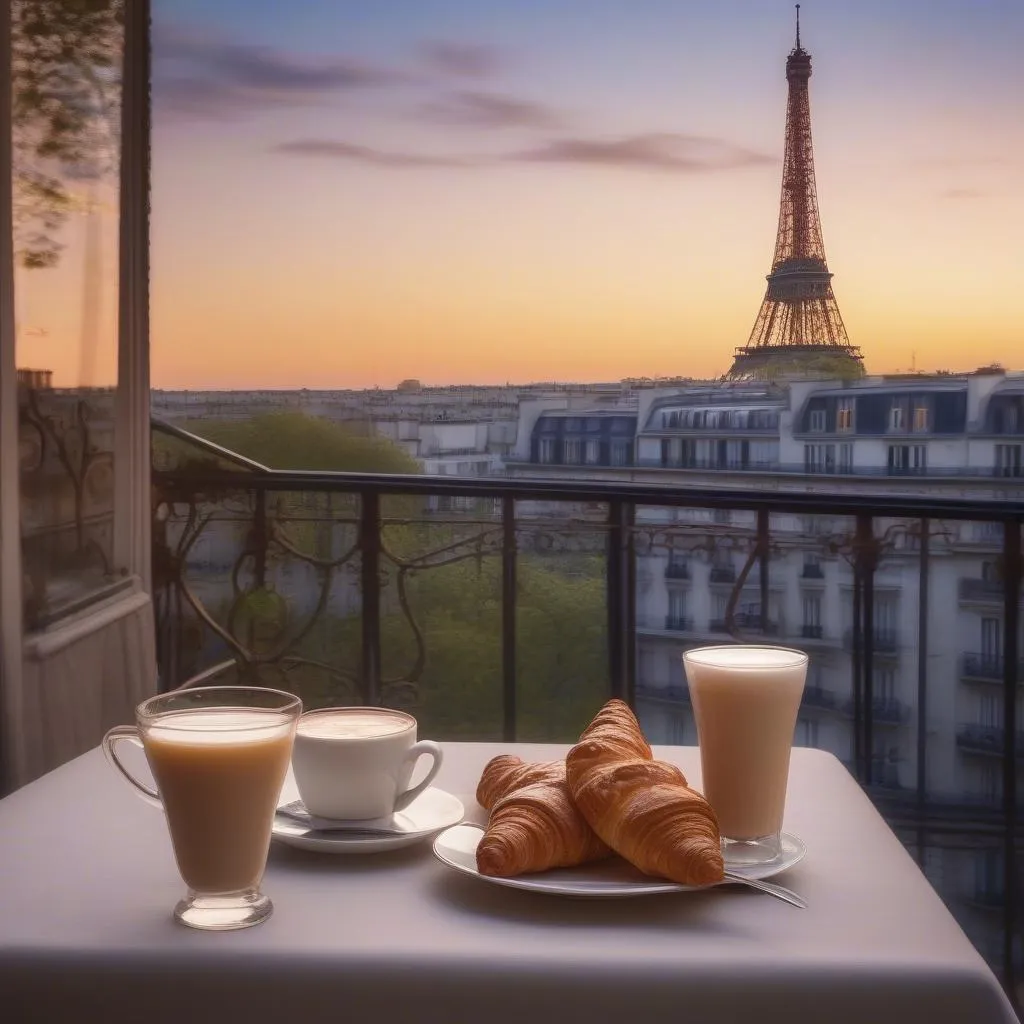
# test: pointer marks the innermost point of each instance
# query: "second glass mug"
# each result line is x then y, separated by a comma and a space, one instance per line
745, 701
219, 756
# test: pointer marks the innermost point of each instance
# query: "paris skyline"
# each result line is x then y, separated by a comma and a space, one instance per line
348, 195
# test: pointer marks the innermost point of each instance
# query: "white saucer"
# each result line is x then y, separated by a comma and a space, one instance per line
456, 847
432, 811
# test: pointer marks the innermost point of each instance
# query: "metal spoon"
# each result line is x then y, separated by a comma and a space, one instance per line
780, 892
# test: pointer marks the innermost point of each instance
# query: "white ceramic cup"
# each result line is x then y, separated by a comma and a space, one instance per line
356, 763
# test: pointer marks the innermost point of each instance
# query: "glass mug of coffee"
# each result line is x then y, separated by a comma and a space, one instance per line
745, 701
219, 756
356, 763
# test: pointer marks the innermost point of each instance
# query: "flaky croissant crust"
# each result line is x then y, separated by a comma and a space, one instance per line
534, 824
642, 808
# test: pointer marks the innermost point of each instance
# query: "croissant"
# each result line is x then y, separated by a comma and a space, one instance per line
642, 808
533, 825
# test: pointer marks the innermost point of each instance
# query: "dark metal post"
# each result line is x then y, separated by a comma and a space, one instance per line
867, 544
762, 565
508, 615
922, 685
369, 553
615, 587
856, 661
1012, 573
630, 599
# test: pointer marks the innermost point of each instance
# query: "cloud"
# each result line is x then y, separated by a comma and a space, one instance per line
461, 60
679, 154
668, 152
199, 75
354, 153
962, 193
489, 110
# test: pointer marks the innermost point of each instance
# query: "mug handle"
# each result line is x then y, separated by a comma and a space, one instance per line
413, 754
109, 744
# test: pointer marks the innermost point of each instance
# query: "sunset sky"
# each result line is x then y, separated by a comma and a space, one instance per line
349, 193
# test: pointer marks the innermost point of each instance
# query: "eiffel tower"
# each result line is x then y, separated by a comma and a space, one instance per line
798, 331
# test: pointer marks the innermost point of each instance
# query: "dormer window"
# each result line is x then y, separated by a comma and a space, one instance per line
844, 415
921, 419
897, 421
817, 421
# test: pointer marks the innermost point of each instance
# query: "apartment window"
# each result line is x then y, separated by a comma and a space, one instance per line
921, 419
991, 783
817, 421
722, 515
883, 682
1009, 460
812, 610
820, 458
571, 452
990, 572
846, 458
844, 415
897, 421
806, 733
885, 616
991, 639
546, 450
908, 458
677, 603
593, 453
620, 453
991, 706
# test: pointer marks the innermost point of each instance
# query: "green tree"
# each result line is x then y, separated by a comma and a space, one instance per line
65, 66
294, 440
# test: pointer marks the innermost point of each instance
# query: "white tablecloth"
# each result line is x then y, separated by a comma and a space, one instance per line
87, 883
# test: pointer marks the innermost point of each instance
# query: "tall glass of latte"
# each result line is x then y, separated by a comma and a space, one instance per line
745, 701
219, 756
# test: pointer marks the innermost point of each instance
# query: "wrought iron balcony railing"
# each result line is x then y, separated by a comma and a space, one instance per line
818, 697
676, 693
885, 641
677, 571
982, 591
987, 739
679, 623
511, 620
990, 667
812, 572
888, 710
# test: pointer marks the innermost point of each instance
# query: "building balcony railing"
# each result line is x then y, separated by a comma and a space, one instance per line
818, 697
675, 693
885, 710
723, 574
745, 624
679, 623
884, 641
988, 667
677, 571
812, 572
987, 739
981, 591
507, 618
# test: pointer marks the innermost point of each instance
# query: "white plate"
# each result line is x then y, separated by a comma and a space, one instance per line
432, 811
456, 847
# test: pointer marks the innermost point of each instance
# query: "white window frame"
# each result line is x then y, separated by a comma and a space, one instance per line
896, 423
132, 545
572, 451
816, 421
